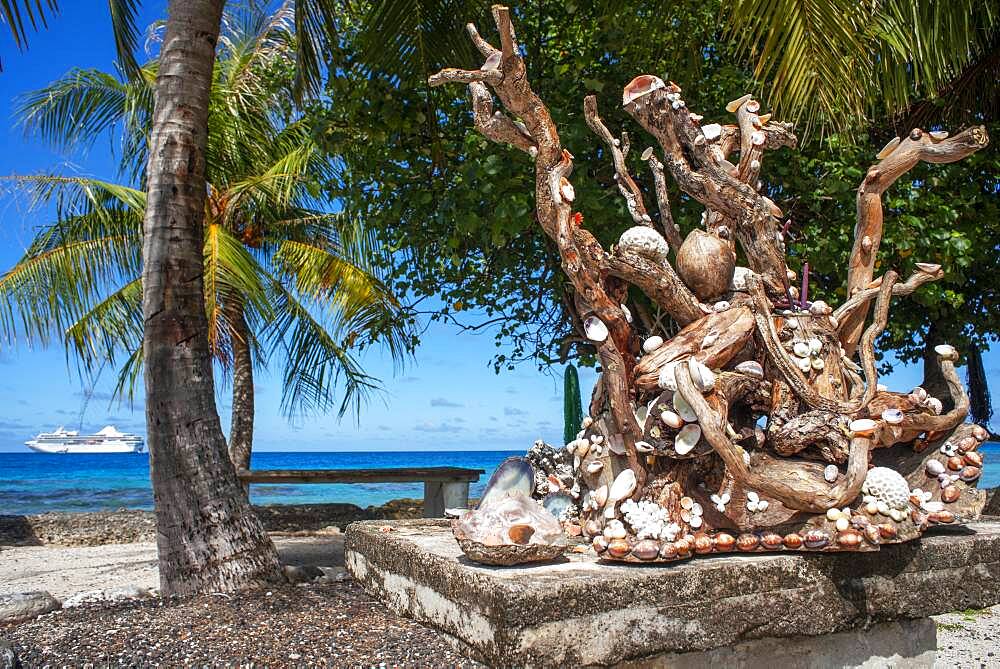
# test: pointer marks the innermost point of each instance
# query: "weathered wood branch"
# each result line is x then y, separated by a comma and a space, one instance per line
626, 184
670, 230
801, 492
496, 125
454, 75
925, 274
919, 146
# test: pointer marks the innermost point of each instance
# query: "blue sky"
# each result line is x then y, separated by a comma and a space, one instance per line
449, 398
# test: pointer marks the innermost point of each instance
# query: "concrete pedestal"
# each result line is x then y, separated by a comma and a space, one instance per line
783, 610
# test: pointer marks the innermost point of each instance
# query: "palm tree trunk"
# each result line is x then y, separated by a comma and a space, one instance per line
241, 425
207, 535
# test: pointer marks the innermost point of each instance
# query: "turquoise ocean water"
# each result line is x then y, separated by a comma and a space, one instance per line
38, 482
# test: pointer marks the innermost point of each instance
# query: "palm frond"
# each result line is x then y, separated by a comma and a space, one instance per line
19, 14
315, 25
111, 326
123, 25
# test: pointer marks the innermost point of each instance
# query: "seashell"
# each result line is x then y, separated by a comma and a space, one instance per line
644, 447
933, 507
817, 363
626, 313
757, 138
934, 468
764, 118
615, 531
719, 307
595, 329
618, 548
980, 432
887, 531
888, 148
842, 524
863, 427
592, 529
703, 377
712, 131
520, 534
938, 135
820, 308
792, 324
740, 280
804, 364
755, 164
830, 473
849, 539
687, 503
892, 416
897, 515
955, 463
970, 474
582, 448
687, 439
600, 495
941, 517
652, 343
566, 190
815, 346
934, 404
792, 541
492, 62
951, 494
762, 505
702, 544
946, 352
816, 539
706, 264
724, 542
646, 550
872, 534
644, 241
668, 551
751, 368
695, 117
683, 547
834, 323
696, 521
666, 379
684, 409
771, 541
734, 105
800, 349
595, 466
677, 104
642, 85
919, 393
833, 514
973, 459
623, 486
513, 474
587, 422
671, 419
872, 508
747, 542
600, 543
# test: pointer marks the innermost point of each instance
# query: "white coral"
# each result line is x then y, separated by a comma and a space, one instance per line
887, 485
644, 241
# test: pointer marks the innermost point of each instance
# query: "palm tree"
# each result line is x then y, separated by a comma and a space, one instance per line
280, 277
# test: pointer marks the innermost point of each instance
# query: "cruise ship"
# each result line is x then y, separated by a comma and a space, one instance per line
107, 440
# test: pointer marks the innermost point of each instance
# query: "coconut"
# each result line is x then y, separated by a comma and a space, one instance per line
706, 264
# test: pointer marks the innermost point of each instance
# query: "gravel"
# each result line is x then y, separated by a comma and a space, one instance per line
328, 625
968, 639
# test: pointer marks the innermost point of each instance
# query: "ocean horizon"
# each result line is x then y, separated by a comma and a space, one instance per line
32, 483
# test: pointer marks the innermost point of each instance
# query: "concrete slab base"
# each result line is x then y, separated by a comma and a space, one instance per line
784, 610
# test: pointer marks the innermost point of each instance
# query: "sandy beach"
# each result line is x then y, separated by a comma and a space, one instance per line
329, 621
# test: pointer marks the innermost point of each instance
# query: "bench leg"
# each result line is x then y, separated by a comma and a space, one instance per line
456, 494
433, 499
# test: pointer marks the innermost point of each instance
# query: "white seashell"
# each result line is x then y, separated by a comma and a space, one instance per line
755, 164
596, 438
830, 473
804, 365
697, 510
720, 306
801, 349
820, 308
793, 324
842, 524
595, 328
746, 457
566, 190
740, 281
595, 466
618, 532
709, 339
587, 422
888, 148
666, 379
815, 346
696, 521
753, 496
627, 313
696, 117
734, 105
644, 447
833, 514
752, 505
671, 419
576, 462
946, 351
758, 138
751, 368
623, 486
721, 508
726, 497
919, 393
652, 343
644, 241
834, 323
882, 507
703, 377
863, 427
762, 505
934, 468
712, 131
582, 447
896, 515
600, 496
938, 135
677, 104
687, 438
933, 507
892, 416
934, 404
817, 363
684, 409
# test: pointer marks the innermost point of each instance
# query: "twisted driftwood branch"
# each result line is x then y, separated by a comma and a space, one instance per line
626, 184
925, 274
670, 229
801, 492
919, 146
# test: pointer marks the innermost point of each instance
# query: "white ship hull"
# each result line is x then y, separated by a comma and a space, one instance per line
108, 440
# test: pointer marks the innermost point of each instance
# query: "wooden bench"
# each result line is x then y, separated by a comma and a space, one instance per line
444, 487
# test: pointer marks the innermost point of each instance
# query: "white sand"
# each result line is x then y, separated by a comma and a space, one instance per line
65, 571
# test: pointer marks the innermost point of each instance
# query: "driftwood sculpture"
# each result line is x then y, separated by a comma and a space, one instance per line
760, 425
